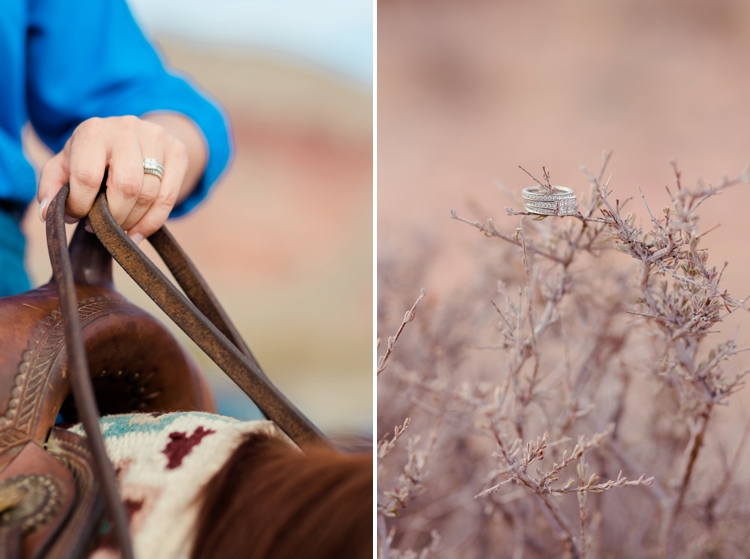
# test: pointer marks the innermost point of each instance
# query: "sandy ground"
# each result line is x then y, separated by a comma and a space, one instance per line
467, 91
285, 240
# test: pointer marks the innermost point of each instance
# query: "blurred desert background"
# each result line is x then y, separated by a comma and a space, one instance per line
285, 240
468, 91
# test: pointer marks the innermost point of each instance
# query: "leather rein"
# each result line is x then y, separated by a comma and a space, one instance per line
197, 312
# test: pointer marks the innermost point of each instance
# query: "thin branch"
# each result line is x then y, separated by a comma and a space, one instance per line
545, 186
490, 231
408, 317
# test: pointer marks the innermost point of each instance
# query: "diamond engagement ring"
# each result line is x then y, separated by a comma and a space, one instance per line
561, 201
153, 167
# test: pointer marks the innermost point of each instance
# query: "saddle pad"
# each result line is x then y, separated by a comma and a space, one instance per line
161, 462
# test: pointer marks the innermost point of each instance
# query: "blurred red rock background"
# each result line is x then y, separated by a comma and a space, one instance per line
285, 240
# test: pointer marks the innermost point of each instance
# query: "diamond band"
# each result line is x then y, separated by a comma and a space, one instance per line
537, 194
153, 167
561, 201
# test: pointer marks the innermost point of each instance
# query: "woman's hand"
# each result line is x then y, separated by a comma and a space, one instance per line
138, 201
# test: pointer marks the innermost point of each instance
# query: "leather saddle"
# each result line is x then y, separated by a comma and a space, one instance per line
53, 489
135, 365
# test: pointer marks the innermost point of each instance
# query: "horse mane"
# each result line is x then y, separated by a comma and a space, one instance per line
269, 500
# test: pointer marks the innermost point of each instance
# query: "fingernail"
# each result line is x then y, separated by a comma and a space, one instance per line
137, 238
41, 209
87, 226
69, 220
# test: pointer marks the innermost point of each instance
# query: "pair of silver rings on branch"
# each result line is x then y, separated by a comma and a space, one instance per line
558, 200
153, 167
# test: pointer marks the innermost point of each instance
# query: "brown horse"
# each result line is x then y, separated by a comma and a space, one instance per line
271, 501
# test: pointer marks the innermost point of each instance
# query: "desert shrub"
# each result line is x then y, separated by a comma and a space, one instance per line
564, 404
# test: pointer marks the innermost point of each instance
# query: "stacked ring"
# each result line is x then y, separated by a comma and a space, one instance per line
153, 167
561, 201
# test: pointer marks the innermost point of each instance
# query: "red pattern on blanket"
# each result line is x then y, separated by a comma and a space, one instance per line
181, 445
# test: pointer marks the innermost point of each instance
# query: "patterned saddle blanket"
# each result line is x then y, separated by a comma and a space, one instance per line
162, 460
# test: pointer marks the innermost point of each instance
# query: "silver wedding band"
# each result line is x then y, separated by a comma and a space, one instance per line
153, 167
561, 201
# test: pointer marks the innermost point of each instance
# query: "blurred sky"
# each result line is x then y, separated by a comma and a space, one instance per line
333, 34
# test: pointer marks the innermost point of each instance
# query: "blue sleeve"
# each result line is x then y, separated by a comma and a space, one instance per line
89, 58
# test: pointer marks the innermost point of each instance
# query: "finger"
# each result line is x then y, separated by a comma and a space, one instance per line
87, 162
125, 179
153, 141
175, 167
54, 175
147, 196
